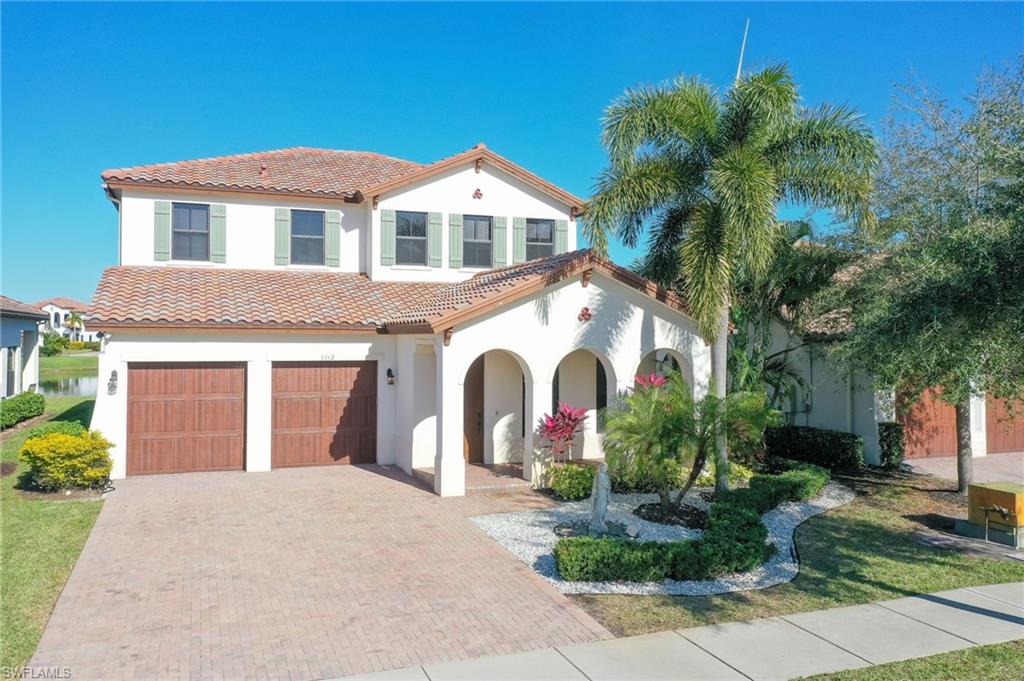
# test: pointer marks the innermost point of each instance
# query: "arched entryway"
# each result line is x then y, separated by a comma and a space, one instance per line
494, 409
662, 362
585, 379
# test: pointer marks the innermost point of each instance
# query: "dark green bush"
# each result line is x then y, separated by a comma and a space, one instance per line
571, 481
20, 407
832, 449
66, 427
635, 478
590, 559
890, 445
733, 541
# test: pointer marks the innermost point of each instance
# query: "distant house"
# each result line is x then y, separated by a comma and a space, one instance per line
19, 346
59, 318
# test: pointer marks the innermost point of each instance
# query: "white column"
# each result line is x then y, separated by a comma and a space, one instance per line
110, 415
449, 463
405, 391
16, 362
5, 357
258, 415
31, 371
533, 457
979, 426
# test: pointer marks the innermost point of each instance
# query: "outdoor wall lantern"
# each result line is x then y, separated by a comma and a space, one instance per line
112, 383
390, 376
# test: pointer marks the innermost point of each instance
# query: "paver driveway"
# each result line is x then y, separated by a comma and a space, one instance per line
303, 573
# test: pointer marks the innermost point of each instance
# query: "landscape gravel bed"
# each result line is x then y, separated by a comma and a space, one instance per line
530, 537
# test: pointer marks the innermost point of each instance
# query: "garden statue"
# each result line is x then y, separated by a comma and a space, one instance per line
599, 500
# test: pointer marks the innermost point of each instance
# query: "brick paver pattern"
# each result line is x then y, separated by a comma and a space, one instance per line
303, 573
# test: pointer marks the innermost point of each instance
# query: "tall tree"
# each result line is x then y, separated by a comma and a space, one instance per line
943, 305
703, 173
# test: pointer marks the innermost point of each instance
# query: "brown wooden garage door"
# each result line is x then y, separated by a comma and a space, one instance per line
929, 427
324, 413
185, 417
1004, 434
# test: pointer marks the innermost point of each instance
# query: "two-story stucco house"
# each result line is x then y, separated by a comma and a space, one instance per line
310, 307
67, 317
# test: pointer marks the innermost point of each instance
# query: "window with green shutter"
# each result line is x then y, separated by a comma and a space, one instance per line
218, 232
282, 232
332, 238
161, 230
454, 240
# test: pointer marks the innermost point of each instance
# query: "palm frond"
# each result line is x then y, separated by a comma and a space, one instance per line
707, 258
744, 184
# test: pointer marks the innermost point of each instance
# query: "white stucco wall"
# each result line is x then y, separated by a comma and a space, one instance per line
250, 228
503, 408
452, 192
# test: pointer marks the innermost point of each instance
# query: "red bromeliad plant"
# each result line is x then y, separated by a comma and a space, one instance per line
650, 381
558, 430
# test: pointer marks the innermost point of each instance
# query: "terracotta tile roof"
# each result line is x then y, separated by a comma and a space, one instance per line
16, 308
63, 302
299, 170
144, 296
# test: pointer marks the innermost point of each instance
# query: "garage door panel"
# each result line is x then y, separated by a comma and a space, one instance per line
158, 417
185, 417
929, 426
324, 413
296, 412
1004, 427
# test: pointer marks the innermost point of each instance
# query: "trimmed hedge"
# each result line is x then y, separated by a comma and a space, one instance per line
636, 480
18, 408
733, 541
60, 461
891, 445
84, 345
832, 449
66, 427
571, 481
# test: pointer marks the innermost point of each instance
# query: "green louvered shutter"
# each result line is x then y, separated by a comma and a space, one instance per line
518, 240
561, 236
434, 239
500, 241
218, 232
455, 240
161, 230
332, 239
282, 235
387, 237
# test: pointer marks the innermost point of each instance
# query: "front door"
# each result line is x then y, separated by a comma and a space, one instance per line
473, 413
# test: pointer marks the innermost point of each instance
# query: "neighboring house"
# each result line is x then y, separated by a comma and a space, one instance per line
835, 400
59, 318
306, 307
20, 341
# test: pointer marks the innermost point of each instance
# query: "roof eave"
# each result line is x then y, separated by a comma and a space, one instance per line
121, 184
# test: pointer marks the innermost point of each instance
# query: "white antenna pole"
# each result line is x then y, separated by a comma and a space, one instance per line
743, 48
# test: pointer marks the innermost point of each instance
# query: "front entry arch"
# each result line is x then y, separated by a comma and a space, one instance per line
494, 414
585, 379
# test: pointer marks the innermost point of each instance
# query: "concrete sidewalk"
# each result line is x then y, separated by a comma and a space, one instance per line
775, 648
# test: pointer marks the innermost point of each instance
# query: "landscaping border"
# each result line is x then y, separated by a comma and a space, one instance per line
530, 536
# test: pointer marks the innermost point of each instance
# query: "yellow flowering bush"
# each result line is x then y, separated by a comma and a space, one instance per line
61, 460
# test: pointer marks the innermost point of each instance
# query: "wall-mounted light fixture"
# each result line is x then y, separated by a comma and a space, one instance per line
112, 383
390, 376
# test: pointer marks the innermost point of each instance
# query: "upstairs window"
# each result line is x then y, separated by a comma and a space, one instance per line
307, 237
190, 231
410, 238
476, 241
540, 238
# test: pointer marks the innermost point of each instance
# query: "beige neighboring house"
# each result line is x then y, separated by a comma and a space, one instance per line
58, 317
20, 341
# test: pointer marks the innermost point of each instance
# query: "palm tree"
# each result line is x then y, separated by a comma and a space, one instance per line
706, 172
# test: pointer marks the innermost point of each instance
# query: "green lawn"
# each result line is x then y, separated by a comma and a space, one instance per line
40, 543
865, 551
999, 661
73, 364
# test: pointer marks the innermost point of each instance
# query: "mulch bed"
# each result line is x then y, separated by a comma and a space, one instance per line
685, 515
67, 495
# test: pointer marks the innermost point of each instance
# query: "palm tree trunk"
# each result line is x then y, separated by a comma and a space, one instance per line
964, 462
698, 466
719, 377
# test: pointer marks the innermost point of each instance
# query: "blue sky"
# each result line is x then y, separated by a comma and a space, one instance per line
91, 86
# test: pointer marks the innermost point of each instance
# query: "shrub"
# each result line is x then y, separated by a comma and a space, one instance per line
733, 541
19, 407
60, 461
54, 344
85, 345
594, 559
558, 431
635, 476
66, 427
738, 474
571, 481
890, 445
832, 449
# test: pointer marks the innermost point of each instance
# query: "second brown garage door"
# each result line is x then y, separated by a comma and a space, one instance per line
324, 413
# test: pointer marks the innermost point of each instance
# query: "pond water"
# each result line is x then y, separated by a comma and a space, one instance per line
71, 386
